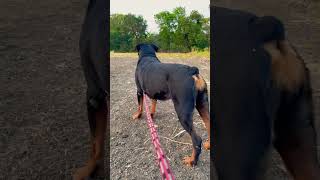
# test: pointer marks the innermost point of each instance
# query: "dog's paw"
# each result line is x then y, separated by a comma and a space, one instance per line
206, 145
136, 115
189, 161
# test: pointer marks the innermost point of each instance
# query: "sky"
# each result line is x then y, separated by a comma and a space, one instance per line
148, 8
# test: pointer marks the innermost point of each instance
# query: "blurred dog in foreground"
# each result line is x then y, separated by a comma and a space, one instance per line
93, 51
261, 97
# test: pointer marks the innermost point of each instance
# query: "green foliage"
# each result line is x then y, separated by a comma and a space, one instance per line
126, 31
178, 31
152, 38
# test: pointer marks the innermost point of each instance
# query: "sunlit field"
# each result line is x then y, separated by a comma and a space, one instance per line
194, 54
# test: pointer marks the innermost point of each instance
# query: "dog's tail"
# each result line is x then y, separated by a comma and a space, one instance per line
200, 83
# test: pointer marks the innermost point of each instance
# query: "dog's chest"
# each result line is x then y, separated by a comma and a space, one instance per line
161, 95
156, 89
154, 82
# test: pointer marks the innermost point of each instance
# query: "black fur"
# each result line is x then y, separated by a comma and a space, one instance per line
94, 58
93, 51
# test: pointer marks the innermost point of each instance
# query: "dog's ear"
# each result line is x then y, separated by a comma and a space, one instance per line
156, 48
138, 47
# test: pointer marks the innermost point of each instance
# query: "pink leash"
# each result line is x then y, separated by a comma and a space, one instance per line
163, 162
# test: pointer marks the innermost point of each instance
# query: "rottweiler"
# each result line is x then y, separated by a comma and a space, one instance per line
94, 59
261, 97
181, 83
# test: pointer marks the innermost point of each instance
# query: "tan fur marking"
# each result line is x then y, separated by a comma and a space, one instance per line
199, 82
287, 67
153, 107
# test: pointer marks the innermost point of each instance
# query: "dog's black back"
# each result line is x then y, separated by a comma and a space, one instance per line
160, 80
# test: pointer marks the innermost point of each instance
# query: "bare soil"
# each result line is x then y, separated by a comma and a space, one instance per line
44, 132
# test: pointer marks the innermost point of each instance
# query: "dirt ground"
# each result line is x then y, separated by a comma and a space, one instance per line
132, 153
43, 126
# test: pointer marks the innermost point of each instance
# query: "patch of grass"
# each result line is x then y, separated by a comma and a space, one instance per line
194, 54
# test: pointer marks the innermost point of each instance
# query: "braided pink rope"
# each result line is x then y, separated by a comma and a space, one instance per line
163, 162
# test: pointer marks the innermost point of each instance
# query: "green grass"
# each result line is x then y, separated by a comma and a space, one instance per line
194, 54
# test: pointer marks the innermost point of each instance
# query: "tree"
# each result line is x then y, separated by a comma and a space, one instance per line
153, 38
167, 24
179, 32
126, 31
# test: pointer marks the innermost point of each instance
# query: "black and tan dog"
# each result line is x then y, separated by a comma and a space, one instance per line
183, 84
93, 51
261, 97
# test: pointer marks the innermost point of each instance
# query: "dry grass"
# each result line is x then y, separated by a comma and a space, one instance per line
195, 54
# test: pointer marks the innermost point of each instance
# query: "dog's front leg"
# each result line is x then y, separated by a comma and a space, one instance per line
98, 123
138, 114
153, 107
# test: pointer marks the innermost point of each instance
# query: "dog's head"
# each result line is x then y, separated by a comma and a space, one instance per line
145, 49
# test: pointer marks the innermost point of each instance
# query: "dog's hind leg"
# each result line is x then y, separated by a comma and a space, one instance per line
298, 150
296, 137
202, 105
138, 113
185, 114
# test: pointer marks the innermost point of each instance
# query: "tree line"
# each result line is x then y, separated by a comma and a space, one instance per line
178, 31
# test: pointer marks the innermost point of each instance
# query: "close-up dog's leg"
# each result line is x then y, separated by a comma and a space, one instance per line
186, 121
294, 130
95, 165
98, 139
153, 107
93, 52
96, 161
185, 114
298, 150
242, 137
202, 105
138, 113
241, 157
296, 137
